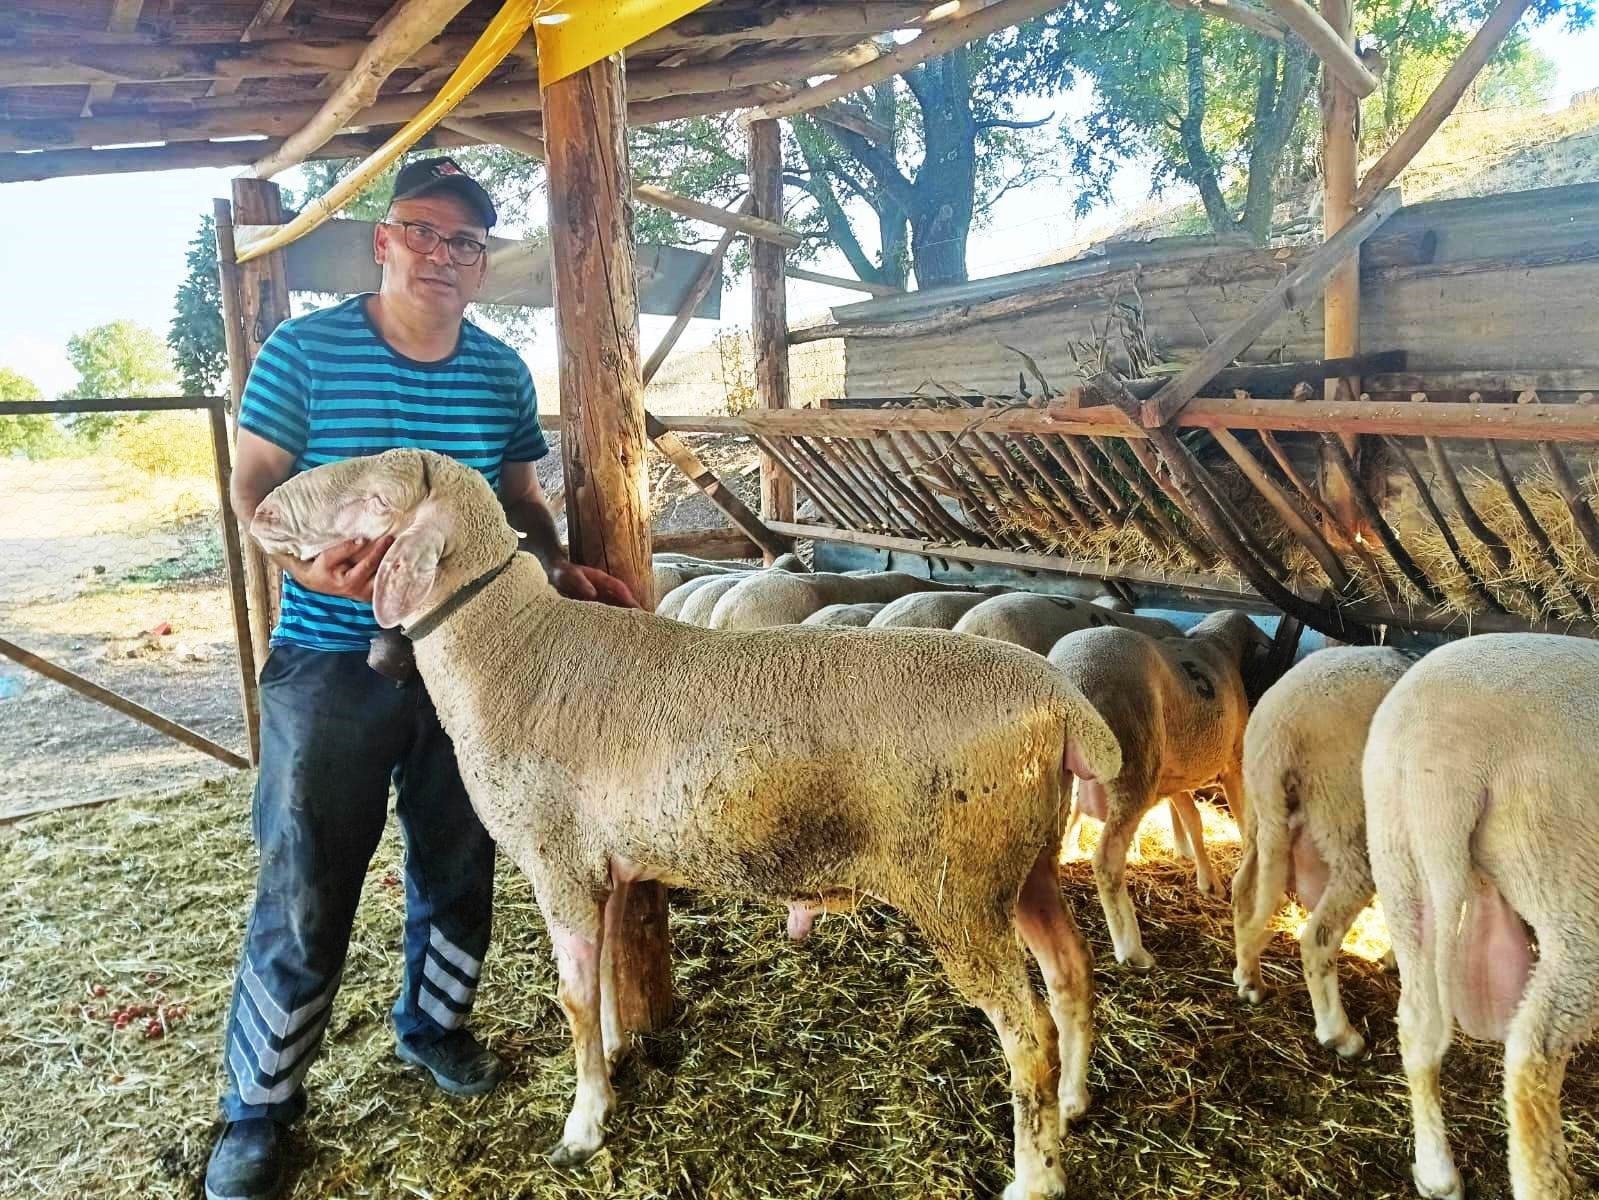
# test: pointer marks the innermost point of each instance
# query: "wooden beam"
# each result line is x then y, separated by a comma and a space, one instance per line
930, 43
708, 275
769, 308
602, 447
124, 19
705, 543
1437, 107
1292, 293
499, 133
1239, 12
265, 18
238, 600
78, 63
839, 114
257, 578
1340, 112
411, 24
129, 708
681, 456
176, 156
720, 26
221, 119
1573, 423
855, 285
1329, 42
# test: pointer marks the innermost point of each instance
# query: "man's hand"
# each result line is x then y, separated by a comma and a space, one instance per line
346, 569
577, 582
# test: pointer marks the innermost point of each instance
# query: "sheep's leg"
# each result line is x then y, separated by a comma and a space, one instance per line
577, 957
1047, 927
1232, 786
1071, 838
1558, 1011
1258, 891
1179, 832
1185, 816
614, 1037
1319, 947
1425, 1029
990, 970
1122, 815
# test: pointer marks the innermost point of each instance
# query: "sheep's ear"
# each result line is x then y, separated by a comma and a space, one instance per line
406, 576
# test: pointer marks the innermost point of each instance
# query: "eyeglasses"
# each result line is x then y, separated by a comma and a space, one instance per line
424, 239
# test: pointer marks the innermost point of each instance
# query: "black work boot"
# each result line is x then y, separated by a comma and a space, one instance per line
458, 1062
247, 1161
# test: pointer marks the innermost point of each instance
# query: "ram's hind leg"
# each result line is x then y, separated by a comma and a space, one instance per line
989, 968
1047, 927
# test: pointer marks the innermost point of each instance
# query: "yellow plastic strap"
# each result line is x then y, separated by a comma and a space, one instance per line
596, 29
508, 28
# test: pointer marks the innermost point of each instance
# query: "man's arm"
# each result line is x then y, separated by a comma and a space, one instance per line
528, 513
343, 570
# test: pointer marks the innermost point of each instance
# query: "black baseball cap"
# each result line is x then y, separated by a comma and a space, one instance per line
424, 176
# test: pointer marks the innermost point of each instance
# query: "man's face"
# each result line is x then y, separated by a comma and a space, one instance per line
434, 282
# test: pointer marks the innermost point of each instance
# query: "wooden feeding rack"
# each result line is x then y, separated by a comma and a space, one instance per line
1224, 503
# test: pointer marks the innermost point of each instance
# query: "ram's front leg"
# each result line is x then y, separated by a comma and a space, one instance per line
577, 957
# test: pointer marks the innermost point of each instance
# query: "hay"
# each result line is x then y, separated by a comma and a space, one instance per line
842, 1067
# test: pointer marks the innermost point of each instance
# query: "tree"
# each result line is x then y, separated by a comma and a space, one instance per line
195, 336
116, 360
33, 435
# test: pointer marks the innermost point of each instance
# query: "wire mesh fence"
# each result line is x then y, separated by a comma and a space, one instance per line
112, 566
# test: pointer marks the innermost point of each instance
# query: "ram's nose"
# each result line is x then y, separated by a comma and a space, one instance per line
268, 519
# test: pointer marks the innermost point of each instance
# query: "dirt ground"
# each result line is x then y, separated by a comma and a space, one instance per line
92, 556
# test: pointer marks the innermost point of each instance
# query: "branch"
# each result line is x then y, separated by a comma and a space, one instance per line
997, 123
820, 188
880, 164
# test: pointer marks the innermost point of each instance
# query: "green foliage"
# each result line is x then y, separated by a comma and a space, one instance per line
118, 359
195, 336
32, 435
175, 445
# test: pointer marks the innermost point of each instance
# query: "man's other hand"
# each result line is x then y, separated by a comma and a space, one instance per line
346, 569
577, 582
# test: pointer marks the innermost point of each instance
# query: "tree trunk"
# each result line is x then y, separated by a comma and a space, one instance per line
1201, 169
602, 404
942, 196
1277, 107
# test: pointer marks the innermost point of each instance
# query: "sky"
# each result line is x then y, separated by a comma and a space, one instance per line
75, 253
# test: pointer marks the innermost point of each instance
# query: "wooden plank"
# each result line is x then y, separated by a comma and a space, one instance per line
11, 408
408, 26
1287, 513
930, 43
679, 454
123, 705
257, 576
1578, 423
124, 19
705, 543
238, 603
1437, 107
602, 406
264, 20
838, 281
1286, 297
1328, 40
769, 307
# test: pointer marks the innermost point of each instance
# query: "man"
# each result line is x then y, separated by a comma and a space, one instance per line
400, 367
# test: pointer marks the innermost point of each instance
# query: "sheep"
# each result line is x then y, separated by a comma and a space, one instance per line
856, 616
926, 771
1038, 621
1177, 706
928, 610
776, 599
1482, 816
671, 603
671, 571
1306, 830
702, 602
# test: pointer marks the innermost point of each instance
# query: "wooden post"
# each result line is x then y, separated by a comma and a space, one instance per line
602, 407
263, 306
257, 571
1340, 110
769, 308
232, 554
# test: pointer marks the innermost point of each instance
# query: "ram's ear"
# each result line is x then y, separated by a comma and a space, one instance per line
407, 573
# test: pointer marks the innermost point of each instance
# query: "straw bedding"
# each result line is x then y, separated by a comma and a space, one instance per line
844, 1066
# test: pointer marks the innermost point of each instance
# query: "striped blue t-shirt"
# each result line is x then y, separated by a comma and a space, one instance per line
326, 387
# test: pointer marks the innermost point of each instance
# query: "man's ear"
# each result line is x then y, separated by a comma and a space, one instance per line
380, 242
407, 573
